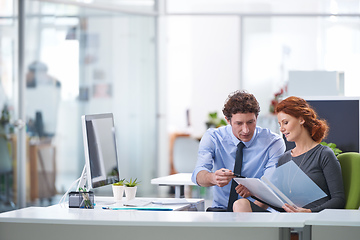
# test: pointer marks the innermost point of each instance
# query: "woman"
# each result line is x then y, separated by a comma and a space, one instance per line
299, 123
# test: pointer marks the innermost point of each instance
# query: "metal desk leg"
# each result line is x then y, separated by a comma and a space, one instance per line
284, 233
179, 191
304, 233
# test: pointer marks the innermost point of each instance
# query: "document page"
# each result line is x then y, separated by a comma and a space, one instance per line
288, 184
278, 192
170, 201
260, 190
296, 185
137, 202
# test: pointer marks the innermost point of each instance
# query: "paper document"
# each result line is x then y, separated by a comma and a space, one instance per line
288, 184
261, 190
139, 208
137, 202
170, 201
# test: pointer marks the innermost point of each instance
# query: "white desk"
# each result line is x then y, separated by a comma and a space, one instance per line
335, 224
58, 223
178, 180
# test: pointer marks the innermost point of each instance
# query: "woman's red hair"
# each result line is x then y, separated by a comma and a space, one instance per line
299, 108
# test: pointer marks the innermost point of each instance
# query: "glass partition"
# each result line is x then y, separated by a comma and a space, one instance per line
98, 62
8, 104
78, 61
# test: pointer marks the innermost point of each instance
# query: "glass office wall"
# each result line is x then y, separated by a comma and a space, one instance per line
8, 91
104, 62
80, 61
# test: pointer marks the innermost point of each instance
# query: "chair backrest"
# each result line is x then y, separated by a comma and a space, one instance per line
350, 168
185, 154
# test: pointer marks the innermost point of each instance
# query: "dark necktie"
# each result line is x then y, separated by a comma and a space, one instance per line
237, 169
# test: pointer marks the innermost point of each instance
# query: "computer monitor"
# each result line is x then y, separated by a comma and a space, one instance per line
342, 116
101, 162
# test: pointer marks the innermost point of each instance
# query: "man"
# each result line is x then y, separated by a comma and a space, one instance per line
217, 150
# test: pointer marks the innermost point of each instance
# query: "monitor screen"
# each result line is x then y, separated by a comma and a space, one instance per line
342, 116
100, 150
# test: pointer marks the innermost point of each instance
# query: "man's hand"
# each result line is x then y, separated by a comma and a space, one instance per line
223, 176
242, 191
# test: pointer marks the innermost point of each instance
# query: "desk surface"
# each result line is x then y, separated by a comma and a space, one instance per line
64, 215
58, 215
175, 179
336, 217
335, 224
59, 223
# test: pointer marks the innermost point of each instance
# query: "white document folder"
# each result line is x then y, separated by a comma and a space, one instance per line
288, 184
262, 191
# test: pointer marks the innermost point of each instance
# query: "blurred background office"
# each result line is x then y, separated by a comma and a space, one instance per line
161, 66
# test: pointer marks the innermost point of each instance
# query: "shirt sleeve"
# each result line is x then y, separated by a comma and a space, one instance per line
276, 150
205, 159
332, 173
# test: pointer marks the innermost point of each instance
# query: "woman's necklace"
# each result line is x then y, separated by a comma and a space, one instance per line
291, 182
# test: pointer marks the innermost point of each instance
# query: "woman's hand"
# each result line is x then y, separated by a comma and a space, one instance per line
289, 208
242, 191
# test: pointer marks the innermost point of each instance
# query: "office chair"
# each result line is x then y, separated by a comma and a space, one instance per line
350, 168
185, 154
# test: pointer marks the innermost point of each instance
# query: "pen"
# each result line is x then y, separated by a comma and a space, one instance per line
238, 175
235, 175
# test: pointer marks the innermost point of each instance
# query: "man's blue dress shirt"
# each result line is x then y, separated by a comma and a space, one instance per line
217, 150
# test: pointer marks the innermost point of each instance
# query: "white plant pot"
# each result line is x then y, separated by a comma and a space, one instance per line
130, 192
118, 192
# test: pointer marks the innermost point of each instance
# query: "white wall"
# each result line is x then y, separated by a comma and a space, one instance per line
203, 68
204, 64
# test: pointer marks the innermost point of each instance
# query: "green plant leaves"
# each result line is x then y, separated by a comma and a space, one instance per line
333, 147
120, 182
132, 183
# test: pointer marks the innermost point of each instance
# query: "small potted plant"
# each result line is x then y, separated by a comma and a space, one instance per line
130, 188
118, 189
